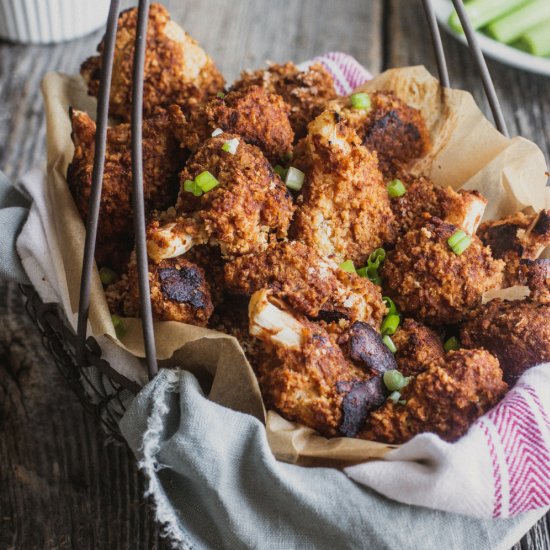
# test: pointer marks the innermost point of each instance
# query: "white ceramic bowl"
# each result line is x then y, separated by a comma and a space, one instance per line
49, 21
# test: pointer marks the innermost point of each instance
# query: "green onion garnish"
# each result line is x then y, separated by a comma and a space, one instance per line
294, 179
120, 329
389, 343
360, 101
107, 276
191, 187
217, 132
394, 380
459, 242
451, 344
389, 303
376, 258
230, 146
281, 171
206, 181
394, 397
221, 95
390, 324
396, 188
373, 263
347, 266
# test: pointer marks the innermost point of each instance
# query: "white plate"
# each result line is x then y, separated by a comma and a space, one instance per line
496, 50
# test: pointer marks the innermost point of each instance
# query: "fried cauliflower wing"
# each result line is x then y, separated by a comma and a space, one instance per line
178, 291
417, 347
305, 376
249, 205
344, 210
536, 275
259, 117
309, 283
305, 91
445, 399
162, 160
177, 70
427, 279
396, 131
516, 237
516, 332
463, 208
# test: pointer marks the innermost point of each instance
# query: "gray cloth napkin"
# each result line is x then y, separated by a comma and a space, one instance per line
216, 484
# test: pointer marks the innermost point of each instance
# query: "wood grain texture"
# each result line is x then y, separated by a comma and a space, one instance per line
61, 485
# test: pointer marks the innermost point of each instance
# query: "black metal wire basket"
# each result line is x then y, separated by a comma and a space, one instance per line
102, 389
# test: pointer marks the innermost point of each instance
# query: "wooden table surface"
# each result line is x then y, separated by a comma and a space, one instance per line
61, 485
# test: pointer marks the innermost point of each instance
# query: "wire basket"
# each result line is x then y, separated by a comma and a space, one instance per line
103, 391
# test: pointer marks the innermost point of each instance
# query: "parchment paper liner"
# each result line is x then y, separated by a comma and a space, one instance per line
467, 152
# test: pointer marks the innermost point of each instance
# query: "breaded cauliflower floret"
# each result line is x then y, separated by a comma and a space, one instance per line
417, 347
427, 279
396, 131
305, 376
249, 206
517, 332
309, 283
259, 117
162, 160
306, 91
344, 210
516, 237
463, 208
177, 70
179, 292
445, 399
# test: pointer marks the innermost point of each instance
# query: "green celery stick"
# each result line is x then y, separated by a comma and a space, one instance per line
482, 12
512, 26
536, 40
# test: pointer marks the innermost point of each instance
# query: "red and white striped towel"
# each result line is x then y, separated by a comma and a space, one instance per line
501, 467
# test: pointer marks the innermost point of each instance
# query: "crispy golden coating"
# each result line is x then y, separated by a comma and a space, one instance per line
427, 279
309, 283
536, 275
307, 92
177, 70
516, 237
305, 376
179, 292
162, 160
344, 210
396, 131
444, 399
248, 207
259, 117
517, 332
463, 208
417, 347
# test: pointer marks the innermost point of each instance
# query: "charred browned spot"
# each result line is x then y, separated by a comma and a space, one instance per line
183, 286
361, 398
542, 225
502, 239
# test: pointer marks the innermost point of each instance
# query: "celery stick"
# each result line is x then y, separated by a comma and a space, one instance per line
482, 12
512, 26
536, 40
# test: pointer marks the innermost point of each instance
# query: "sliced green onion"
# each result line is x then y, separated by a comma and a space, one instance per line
402, 402
217, 132
120, 329
536, 40
360, 101
459, 242
394, 380
281, 171
347, 266
389, 343
107, 276
294, 179
376, 258
451, 344
362, 271
396, 188
221, 95
389, 303
394, 397
482, 12
191, 187
206, 181
230, 146
390, 324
